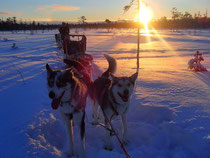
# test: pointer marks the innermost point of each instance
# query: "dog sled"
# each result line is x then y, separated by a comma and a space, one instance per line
74, 48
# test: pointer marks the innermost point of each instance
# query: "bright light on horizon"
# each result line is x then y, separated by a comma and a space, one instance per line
144, 15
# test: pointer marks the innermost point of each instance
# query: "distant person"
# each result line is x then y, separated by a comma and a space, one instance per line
197, 53
64, 30
68, 28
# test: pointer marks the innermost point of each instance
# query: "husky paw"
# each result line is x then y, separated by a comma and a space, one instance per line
108, 147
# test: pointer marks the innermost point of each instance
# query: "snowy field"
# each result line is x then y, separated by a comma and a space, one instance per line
170, 109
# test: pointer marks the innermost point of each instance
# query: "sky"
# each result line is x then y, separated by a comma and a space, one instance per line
93, 10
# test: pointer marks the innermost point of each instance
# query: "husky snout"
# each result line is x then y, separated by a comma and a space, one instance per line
125, 95
126, 92
52, 95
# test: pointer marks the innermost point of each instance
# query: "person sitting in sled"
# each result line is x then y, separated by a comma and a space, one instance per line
192, 62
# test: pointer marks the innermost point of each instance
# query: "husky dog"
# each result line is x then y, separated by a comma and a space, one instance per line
113, 94
68, 90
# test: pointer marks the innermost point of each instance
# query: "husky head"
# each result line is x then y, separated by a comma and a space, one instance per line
122, 87
59, 84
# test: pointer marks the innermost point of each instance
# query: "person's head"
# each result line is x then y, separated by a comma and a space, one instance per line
63, 23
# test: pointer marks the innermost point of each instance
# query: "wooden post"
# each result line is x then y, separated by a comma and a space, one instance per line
138, 37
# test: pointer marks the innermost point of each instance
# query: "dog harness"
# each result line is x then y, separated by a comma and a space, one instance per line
113, 98
80, 105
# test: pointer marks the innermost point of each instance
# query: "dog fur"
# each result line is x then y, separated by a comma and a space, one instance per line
113, 94
68, 90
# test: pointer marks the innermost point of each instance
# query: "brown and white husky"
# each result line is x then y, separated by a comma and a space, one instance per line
113, 94
68, 90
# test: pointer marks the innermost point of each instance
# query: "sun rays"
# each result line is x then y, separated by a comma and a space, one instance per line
144, 15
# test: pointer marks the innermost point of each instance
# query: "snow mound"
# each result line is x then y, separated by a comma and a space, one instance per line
46, 136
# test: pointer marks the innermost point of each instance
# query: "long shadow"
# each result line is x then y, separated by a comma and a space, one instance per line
204, 77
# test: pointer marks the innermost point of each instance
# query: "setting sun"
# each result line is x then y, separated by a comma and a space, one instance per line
144, 14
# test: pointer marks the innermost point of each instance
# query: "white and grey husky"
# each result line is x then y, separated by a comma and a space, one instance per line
68, 90
113, 94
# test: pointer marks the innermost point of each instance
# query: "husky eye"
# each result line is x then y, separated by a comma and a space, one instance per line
60, 83
119, 85
51, 83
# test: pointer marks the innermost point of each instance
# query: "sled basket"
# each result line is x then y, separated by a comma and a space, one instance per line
74, 48
71, 46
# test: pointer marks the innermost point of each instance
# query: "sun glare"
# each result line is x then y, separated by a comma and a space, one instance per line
144, 15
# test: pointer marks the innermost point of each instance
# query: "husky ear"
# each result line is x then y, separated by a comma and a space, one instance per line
49, 70
68, 62
68, 73
133, 77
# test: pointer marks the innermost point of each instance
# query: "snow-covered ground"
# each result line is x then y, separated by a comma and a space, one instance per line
170, 109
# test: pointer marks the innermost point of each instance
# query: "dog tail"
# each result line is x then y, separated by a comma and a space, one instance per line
112, 65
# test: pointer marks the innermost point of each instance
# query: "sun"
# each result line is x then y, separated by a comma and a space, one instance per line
144, 15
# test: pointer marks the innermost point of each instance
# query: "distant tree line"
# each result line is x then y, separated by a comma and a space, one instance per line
11, 24
107, 24
184, 20
178, 20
